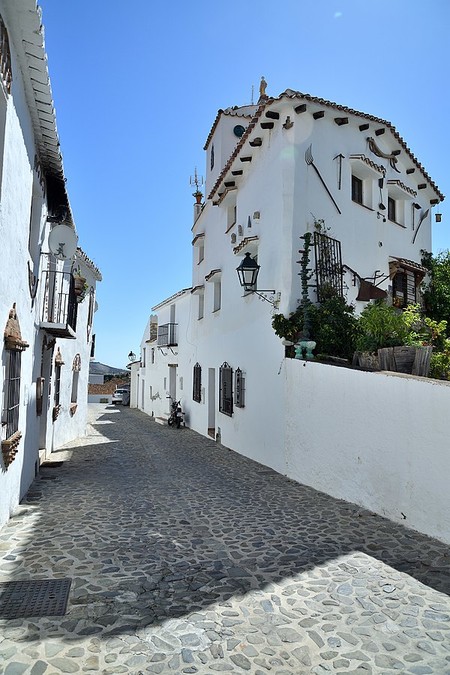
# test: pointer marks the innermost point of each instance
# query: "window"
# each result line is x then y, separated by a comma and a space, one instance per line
201, 252
406, 279
226, 389
201, 305
90, 319
153, 355
357, 190
10, 418
58, 364
14, 346
239, 389
231, 216
217, 296
143, 358
76, 367
212, 157
197, 383
392, 210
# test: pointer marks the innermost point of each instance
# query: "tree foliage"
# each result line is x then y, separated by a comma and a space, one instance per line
436, 289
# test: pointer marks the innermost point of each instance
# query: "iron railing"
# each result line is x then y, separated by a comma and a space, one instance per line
59, 309
328, 266
167, 335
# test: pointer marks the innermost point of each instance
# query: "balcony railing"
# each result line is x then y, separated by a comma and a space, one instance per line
59, 309
167, 335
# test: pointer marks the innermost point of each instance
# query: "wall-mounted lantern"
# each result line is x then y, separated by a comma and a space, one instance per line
248, 271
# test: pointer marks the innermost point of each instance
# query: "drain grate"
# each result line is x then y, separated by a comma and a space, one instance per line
44, 597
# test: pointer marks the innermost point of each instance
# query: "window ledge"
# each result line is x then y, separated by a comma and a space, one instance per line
394, 222
369, 208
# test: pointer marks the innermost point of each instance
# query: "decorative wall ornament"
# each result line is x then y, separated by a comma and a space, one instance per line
76, 365
379, 153
58, 358
309, 159
32, 282
12, 335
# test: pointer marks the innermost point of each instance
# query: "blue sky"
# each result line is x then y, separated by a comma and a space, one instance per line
137, 87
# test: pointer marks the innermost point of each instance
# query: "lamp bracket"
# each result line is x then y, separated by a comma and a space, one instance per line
273, 299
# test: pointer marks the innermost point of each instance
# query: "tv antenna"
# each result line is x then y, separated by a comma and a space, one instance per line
196, 181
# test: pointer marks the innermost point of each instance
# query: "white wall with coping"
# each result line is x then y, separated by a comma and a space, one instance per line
376, 439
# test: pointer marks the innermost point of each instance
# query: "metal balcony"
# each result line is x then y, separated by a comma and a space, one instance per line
167, 335
59, 309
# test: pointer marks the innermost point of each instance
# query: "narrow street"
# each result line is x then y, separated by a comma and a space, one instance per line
184, 557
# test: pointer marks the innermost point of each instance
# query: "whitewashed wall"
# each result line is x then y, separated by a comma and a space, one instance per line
378, 440
20, 181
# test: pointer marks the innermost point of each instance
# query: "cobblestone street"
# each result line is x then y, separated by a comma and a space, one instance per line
187, 558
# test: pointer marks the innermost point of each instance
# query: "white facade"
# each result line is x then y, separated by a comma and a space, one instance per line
273, 171
44, 373
160, 374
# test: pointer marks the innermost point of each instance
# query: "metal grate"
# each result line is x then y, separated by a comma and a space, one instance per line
46, 597
328, 266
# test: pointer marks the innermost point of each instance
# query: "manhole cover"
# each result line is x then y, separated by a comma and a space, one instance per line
46, 597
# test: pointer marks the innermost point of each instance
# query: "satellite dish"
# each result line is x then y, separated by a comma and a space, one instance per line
62, 242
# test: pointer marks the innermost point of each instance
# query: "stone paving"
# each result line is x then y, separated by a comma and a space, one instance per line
187, 558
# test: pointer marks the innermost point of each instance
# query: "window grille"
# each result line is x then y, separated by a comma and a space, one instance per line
239, 389
5, 58
167, 335
76, 367
12, 393
197, 383
226, 389
328, 266
57, 384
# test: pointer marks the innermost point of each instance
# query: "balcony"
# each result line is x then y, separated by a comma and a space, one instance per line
59, 309
167, 335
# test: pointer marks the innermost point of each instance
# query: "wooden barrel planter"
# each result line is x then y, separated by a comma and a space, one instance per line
409, 360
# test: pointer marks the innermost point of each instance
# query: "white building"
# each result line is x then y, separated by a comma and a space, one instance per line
160, 375
47, 304
274, 172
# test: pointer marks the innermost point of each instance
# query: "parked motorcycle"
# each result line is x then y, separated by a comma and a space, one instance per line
176, 414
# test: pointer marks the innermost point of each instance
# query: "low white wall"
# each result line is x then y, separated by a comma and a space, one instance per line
378, 440
99, 398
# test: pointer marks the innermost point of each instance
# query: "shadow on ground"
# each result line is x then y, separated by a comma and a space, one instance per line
154, 523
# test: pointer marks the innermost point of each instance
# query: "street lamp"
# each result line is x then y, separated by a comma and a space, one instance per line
131, 357
248, 271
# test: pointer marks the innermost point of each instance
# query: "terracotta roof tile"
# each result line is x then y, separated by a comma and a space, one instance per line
291, 94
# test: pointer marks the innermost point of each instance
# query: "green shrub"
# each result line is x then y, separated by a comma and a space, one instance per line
440, 362
380, 325
334, 327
